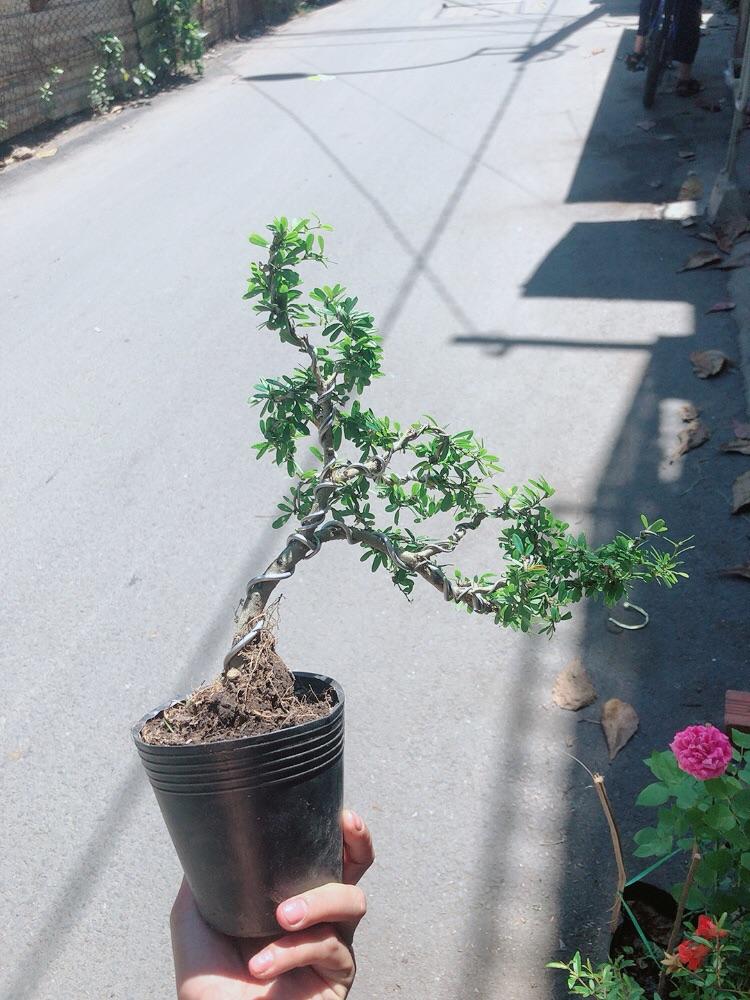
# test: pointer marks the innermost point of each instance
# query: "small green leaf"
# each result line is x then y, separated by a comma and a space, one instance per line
655, 794
258, 240
720, 818
741, 739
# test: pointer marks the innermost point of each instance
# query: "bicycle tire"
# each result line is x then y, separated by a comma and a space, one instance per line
654, 64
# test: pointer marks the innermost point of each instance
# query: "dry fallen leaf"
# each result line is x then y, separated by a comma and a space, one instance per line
729, 231
700, 258
743, 571
741, 445
573, 688
664, 137
686, 154
21, 153
691, 189
646, 125
706, 234
708, 363
689, 412
741, 493
597, 52
736, 260
720, 307
693, 436
43, 154
620, 723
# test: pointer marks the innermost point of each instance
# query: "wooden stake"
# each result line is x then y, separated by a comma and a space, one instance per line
614, 833
677, 925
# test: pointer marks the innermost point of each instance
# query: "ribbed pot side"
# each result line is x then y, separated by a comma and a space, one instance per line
255, 820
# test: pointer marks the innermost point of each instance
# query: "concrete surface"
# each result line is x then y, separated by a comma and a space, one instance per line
493, 203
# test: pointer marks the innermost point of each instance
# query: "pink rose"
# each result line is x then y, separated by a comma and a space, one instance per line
703, 751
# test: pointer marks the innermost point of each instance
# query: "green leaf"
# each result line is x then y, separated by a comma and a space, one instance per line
664, 766
720, 818
741, 803
655, 794
745, 859
258, 240
741, 739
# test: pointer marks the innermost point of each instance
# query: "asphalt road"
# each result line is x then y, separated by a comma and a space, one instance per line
493, 199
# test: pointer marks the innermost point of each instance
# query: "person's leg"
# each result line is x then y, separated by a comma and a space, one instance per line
634, 60
687, 39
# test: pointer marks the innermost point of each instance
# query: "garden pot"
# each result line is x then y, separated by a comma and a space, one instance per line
254, 820
655, 910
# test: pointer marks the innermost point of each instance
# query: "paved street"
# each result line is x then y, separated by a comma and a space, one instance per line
493, 204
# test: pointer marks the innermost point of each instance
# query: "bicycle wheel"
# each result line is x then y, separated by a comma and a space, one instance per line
655, 61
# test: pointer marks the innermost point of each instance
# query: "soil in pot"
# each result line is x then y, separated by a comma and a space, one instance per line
655, 911
255, 696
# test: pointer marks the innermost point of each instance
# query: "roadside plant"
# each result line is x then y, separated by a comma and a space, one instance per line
179, 38
702, 798
375, 482
47, 94
712, 813
108, 76
608, 981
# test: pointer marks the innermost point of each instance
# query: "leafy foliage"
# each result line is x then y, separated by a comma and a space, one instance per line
609, 981
716, 815
179, 38
712, 815
387, 479
47, 94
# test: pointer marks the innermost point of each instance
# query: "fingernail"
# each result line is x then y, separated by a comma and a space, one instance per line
294, 911
357, 822
262, 961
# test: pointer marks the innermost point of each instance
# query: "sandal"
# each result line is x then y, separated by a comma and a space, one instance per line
635, 61
688, 88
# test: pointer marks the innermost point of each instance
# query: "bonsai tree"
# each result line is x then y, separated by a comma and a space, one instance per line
376, 482
248, 770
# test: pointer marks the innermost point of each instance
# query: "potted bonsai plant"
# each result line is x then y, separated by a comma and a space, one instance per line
248, 770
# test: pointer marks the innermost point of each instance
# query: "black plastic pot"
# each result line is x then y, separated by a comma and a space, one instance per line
255, 820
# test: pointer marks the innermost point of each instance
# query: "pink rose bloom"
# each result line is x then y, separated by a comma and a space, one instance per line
703, 751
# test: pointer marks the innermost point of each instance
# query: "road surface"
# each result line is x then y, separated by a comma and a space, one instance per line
493, 203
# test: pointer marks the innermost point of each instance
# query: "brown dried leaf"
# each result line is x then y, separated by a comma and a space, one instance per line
692, 188
729, 231
689, 412
693, 436
741, 493
708, 363
735, 261
43, 154
720, 307
573, 688
741, 445
743, 571
620, 723
702, 258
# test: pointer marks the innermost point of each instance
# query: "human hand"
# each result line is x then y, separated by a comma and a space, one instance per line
314, 961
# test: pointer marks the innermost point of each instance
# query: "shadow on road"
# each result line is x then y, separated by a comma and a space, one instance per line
676, 670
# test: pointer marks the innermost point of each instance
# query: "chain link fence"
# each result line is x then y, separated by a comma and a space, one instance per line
38, 38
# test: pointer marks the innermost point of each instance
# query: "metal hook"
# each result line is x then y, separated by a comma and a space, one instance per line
632, 628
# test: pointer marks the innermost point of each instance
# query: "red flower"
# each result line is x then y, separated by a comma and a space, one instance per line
692, 954
707, 929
